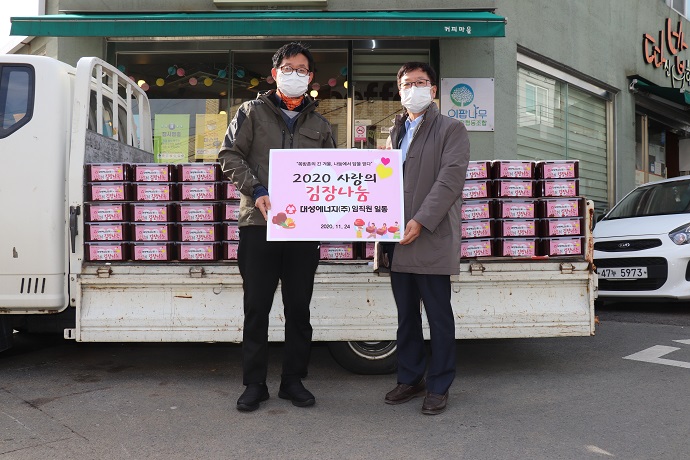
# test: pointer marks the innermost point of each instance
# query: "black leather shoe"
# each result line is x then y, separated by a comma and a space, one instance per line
434, 403
254, 394
295, 392
403, 392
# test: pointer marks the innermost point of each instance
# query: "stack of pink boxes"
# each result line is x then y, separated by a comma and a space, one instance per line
160, 212
347, 251
516, 208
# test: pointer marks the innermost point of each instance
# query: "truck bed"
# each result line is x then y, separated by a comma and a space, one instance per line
203, 303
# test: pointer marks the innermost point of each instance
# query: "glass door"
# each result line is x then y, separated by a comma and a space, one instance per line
651, 145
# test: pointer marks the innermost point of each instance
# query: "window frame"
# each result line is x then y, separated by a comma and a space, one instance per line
671, 4
31, 72
531, 62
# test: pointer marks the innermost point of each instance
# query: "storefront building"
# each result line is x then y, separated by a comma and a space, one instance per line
601, 82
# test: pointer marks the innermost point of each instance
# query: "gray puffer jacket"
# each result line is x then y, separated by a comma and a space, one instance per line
258, 127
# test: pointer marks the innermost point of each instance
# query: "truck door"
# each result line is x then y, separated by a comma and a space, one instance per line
35, 111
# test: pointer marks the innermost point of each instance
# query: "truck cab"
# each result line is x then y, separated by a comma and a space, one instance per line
38, 101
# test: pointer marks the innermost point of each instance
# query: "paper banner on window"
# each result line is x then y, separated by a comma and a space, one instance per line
210, 131
171, 138
335, 195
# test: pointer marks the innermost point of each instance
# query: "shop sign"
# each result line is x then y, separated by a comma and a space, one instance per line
470, 100
171, 138
335, 195
671, 41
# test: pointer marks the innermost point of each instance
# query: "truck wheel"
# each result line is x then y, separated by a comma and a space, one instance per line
5, 332
366, 357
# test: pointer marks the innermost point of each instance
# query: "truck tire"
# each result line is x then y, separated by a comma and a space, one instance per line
5, 333
366, 358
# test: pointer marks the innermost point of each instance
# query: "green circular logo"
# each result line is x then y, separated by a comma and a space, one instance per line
462, 95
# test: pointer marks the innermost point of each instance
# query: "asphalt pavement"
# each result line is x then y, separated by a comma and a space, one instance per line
554, 398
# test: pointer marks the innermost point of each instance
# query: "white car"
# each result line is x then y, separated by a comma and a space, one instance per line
642, 245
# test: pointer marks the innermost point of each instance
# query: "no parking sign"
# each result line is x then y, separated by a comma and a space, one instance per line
360, 133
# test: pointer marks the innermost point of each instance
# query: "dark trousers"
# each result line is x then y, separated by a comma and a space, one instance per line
435, 291
262, 264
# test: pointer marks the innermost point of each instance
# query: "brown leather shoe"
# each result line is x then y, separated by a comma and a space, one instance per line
403, 392
434, 404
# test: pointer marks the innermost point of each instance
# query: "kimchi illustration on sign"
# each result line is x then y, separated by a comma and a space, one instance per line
335, 195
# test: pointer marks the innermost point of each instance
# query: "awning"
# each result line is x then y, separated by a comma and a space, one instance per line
676, 95
289, 24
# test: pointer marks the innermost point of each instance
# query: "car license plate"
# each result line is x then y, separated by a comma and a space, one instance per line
623, 272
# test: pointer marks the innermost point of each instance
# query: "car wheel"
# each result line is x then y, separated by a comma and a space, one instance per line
366, 357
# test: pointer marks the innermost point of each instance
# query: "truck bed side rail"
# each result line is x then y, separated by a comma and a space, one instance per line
109, 103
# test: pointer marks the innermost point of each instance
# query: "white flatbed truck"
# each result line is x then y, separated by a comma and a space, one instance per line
57, 118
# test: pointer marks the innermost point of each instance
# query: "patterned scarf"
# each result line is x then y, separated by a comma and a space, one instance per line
291, 102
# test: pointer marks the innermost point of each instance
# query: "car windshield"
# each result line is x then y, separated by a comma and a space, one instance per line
654, 200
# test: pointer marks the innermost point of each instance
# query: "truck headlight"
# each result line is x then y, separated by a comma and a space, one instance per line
681, 235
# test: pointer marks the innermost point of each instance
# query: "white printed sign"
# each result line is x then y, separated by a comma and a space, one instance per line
470, 100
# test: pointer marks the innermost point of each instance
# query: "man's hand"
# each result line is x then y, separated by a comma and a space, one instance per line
263, 204
412, 231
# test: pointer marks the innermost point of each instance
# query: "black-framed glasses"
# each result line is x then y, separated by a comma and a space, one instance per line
287, 70
419, 84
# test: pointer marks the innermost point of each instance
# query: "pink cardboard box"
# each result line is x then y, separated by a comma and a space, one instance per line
152, 172
514, 188
197, 212
562, 207
563, 246
106, 231
230, 250
230, 192
198, 172
152, 231
151, 212
231, 231
476, 209
207, 251
108, 191
105, 252
558, 169
476, 248
152, 252
517, 247
198, 231
478, 170
476, 189
562, 226
477, 228
152, 191
105, 212
232, 211
513, 169
518, 227
559, 187
516, 209
337, 251
107, 172
198, 191
369, 250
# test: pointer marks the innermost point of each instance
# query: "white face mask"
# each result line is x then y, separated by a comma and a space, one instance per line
292, 85
416, 100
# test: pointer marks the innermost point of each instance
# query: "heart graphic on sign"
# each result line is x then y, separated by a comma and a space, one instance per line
385, 160
384, 171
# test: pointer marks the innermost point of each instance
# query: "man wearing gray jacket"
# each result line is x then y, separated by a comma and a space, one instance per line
285, 118
436, 151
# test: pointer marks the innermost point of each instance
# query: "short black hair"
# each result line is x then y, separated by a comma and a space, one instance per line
292, 49
423, 66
